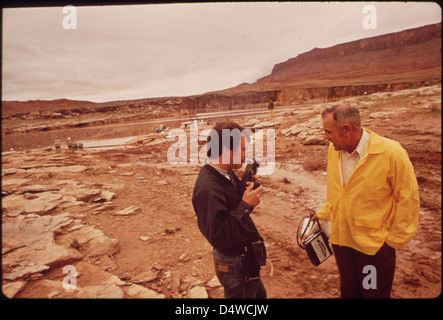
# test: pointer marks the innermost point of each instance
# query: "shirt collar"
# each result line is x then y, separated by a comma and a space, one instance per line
362, 146
223, 172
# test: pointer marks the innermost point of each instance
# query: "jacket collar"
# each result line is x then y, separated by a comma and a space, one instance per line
376, 143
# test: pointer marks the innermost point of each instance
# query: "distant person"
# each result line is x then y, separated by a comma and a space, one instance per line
271, 107
372, 203
223, 210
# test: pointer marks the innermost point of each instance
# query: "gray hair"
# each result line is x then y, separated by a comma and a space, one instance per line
343, 114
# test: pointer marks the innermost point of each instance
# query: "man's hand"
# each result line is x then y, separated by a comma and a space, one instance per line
314, 217
250, 196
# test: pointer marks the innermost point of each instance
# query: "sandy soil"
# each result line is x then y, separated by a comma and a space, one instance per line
143, 177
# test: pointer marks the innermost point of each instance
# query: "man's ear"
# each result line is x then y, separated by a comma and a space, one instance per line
347, 129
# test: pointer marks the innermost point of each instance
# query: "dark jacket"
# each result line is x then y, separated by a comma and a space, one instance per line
223, 218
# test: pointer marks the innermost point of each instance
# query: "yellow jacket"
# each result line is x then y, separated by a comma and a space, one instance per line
378, 204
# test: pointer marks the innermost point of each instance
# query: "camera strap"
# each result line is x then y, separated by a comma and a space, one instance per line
234, 182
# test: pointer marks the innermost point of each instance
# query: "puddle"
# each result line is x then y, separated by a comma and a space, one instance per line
104, 144
111, 134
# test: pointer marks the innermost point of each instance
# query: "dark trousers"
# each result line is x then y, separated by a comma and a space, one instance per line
365, 276
230, 273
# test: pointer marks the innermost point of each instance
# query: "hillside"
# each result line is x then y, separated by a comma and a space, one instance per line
14, 107
396, 61
412, 55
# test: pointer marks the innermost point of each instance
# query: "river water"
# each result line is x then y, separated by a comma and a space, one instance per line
112, 135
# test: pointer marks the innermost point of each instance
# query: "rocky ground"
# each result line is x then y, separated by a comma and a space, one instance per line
119, 223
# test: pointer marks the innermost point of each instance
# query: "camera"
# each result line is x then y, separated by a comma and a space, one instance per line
250, 172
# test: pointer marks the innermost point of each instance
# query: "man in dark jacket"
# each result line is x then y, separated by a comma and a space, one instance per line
223, 207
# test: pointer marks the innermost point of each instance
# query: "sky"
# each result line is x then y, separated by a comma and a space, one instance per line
109, 53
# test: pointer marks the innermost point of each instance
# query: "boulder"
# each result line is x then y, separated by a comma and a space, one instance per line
308, 132
184, 257
140, 292
214, 282
43, 204
31, 246
14, 202
106, 196
145, 277
38, 188
64, 169
265, 124
10, 185
101, 291
92, 242
381, 115
86, 194
128, 211
198, 293
25, 271
10, 289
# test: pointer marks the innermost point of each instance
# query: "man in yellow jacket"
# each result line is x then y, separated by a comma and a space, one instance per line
372, 203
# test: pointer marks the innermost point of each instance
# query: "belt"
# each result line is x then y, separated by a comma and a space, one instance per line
249, 279
241, 253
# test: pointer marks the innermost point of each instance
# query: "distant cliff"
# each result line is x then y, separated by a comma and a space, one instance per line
399, 40
388, 62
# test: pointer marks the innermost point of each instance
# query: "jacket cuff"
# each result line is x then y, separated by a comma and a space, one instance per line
325, 212
242, 210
